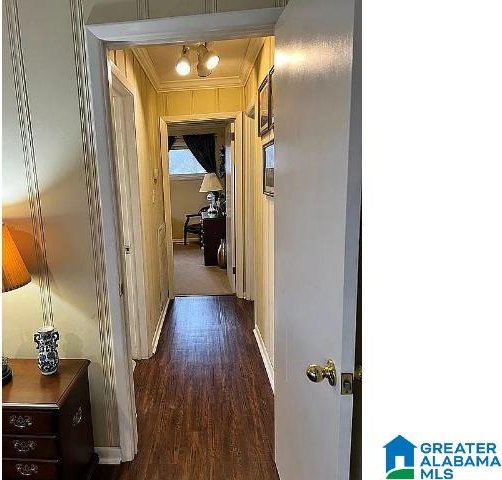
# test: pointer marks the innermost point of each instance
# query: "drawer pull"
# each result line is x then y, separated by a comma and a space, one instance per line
20, 421
26, 469
25, 446
77, 418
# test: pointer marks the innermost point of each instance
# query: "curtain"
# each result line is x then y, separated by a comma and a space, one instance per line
170, 142
203, 149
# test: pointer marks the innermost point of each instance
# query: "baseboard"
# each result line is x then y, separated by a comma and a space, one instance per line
109, 455
160, 324
266, 359
189, 240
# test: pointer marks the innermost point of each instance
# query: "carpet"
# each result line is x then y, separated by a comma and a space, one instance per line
192, 277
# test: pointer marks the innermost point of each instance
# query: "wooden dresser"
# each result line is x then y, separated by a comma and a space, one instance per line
47, 427
213, 230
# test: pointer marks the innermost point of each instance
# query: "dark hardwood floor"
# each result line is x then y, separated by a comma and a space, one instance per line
205, 407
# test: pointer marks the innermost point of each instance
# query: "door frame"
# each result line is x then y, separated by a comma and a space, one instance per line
91, 44
135, 303
238, 232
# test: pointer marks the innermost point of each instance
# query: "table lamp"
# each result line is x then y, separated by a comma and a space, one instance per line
14, 275
211, 184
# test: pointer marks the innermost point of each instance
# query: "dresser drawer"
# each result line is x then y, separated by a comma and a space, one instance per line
30, 469
30, 447
28, 422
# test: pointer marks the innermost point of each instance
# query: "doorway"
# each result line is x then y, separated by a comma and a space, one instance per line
300, 128
129, 227
228, 131
199, 257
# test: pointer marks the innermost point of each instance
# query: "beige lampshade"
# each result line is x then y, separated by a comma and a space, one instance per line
210, 183
14, 272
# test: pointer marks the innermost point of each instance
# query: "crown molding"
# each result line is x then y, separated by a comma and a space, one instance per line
145, 60
199, 84
254, 48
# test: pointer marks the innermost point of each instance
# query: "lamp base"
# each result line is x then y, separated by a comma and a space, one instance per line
6, 373
212, 212
211, 198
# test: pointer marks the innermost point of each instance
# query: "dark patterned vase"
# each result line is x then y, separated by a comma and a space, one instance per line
48, 359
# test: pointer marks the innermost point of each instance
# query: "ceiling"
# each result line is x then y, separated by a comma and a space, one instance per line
236, 60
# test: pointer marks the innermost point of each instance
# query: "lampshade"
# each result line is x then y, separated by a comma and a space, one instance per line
210, 183
14, 272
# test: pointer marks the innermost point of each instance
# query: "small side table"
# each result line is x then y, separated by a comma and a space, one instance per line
47, 424
213, 230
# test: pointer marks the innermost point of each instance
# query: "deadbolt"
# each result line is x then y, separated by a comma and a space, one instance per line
316, 373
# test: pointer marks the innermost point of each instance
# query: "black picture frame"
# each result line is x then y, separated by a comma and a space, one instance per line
263, 107
269, 168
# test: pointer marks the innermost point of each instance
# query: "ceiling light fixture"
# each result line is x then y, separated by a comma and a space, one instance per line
208, 57
183, 64
207, 60
202, 70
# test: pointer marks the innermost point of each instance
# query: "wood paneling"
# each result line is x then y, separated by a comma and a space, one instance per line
230, 99
205, 407
207, 100
263, 209
179, 103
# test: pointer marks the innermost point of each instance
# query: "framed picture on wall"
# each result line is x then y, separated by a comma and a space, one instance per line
271, 102
263, 107
268, 168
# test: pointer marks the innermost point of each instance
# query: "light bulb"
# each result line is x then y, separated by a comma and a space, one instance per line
211, 60
183, 66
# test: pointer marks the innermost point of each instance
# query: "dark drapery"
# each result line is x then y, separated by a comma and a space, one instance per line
203, 149
170, 142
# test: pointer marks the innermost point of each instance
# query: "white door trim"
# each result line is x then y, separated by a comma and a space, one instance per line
238, 234
258, 22
136, 277
92, 77
166, 184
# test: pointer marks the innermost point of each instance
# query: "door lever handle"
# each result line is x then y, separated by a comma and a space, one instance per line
316, 373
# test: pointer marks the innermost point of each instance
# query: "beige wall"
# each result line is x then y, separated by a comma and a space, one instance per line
185, 199
151, 193
263, 210
58, 158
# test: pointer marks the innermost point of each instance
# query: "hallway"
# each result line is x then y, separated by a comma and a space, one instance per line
204, 404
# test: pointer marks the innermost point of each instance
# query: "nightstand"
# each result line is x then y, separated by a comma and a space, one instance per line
213, 230
47, 425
